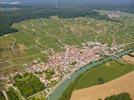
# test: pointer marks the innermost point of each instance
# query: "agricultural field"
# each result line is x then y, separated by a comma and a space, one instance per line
43, 37
113, 90
113, 76
104, 73
28, 84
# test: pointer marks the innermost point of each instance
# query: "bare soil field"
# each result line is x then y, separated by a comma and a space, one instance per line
128, 59
117, 86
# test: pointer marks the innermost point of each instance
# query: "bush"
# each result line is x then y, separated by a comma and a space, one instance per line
122, 96
100, 80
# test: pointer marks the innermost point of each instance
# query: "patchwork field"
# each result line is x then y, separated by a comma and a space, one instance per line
28, 84
117, 86
40, 38
104, 73
110, 78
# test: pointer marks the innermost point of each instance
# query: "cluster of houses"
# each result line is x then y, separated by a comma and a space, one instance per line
113, 14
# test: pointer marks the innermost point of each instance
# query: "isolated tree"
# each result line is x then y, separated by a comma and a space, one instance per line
34, 34
100, 80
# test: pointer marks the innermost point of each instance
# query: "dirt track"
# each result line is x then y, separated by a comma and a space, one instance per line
119, 85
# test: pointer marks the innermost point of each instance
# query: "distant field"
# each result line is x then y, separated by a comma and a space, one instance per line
40, 38
105, 72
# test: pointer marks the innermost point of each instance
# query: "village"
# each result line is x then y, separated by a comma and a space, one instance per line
62, 64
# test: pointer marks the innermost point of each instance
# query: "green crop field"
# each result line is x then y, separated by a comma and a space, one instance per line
40, 38
103, 73
28, 84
